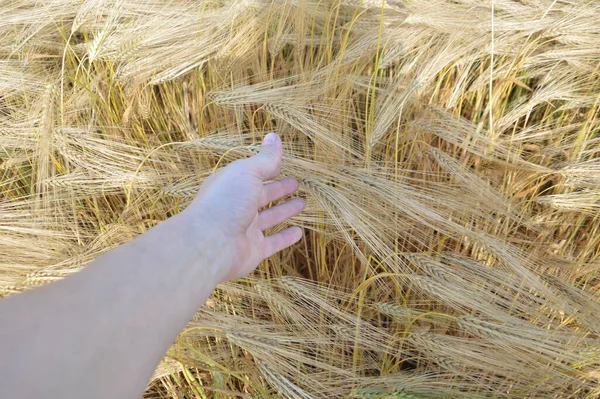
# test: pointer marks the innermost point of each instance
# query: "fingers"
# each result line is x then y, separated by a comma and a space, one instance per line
278, 214
266, 163
276, 190
282, 240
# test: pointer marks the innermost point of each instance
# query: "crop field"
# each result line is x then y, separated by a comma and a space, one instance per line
448, 152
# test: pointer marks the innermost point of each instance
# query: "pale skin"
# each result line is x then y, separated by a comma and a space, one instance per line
100, 333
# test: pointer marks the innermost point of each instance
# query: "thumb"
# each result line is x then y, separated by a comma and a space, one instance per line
266, 162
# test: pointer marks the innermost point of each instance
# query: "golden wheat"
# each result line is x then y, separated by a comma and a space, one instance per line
448, 153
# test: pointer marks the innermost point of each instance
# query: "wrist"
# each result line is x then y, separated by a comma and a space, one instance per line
200, 248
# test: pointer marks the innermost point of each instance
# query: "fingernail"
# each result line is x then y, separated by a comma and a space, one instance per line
270, 138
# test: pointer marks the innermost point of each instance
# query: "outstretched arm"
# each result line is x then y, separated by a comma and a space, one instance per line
101, 332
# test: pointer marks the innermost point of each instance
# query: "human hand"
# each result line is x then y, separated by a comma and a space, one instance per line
228, 205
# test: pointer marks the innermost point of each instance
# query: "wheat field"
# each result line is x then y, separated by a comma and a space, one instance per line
448, 152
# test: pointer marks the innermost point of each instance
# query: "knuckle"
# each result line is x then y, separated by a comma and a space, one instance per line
270, 157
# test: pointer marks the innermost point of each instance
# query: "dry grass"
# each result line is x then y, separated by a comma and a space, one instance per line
449, 153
